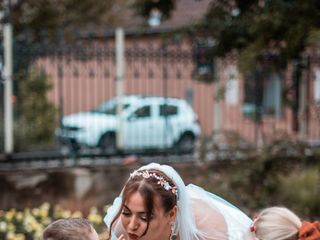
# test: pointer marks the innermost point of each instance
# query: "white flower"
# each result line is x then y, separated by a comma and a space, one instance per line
166, 186
3, 227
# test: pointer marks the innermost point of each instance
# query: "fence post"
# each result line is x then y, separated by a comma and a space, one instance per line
60, 89
119, 83
303, 92
8, 105
217, 109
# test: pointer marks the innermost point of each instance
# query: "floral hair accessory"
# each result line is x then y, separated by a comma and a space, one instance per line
161, 180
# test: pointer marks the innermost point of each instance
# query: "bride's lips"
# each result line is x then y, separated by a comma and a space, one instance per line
133, 236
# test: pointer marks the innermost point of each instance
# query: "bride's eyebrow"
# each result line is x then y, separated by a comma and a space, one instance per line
127, 208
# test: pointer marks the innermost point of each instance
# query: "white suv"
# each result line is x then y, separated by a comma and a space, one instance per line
146, 123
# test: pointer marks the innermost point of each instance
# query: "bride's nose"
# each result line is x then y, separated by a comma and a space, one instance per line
133, 223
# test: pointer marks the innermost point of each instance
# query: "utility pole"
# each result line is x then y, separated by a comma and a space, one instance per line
8, 105
119, 83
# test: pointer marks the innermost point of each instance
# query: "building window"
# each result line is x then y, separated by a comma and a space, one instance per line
271, 103
203, 59
262, 97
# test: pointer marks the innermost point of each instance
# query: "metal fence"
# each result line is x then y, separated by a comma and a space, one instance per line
54, 82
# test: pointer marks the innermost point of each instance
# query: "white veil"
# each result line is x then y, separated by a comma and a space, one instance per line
237, 222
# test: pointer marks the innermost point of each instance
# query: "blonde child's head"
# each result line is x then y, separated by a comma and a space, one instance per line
277, 223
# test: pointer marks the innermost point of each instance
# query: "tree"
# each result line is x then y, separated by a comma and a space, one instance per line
258, 30
48, 19
36, 118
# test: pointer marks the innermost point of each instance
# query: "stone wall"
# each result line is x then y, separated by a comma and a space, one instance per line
74, 188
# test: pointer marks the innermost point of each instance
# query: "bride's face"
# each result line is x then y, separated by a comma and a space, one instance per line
134, 219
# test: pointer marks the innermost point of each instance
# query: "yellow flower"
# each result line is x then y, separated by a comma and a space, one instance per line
46, 221
11, 227
77, 214
45, 205
66, 214
30, 223
57, 212
43, 213
9, 215
35, 212
95, 218
19, 216
18, 236
10, 236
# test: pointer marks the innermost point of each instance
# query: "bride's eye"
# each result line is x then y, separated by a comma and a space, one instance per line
144, 218
126, 213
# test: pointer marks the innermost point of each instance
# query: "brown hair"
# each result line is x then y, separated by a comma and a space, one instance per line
149, 188
68, 229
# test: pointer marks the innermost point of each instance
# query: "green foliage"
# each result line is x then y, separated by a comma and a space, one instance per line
259, 29
314, 38
259, 183
300, 190
274, 30
284, 172
36, 116
48, 19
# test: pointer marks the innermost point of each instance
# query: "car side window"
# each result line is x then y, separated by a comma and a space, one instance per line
110, 109
142, 112
168, 110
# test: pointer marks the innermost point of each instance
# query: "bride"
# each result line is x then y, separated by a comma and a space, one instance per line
155, 204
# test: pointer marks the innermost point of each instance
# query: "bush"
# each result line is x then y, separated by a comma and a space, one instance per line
300, 190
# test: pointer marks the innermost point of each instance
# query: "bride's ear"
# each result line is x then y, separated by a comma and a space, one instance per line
173, 214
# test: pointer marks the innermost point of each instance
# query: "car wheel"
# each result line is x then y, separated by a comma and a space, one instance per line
186, 144
108, 144
69, 147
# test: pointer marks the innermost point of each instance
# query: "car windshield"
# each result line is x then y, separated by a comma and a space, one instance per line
109, 108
